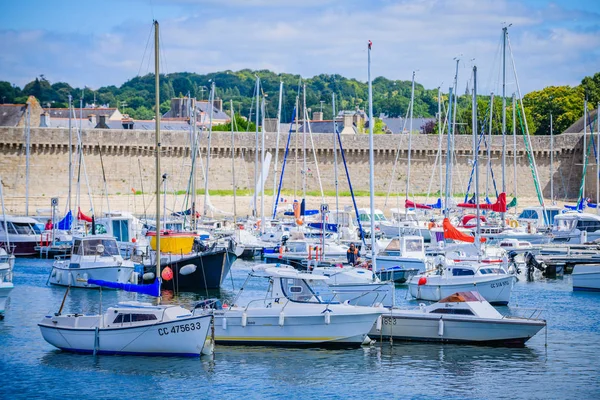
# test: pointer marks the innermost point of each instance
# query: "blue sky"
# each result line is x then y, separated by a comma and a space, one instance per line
104, 43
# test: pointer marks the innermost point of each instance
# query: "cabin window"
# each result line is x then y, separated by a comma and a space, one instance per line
126, 318
485, 271
142, 317
297, 290
462, 272
588, 226
364, 217
23, 228
120, 230
119, 319
379, 217
77, 249
454, 311
414, 245
110, 247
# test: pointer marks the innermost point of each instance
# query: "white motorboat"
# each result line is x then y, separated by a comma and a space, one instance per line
92, 257
576, 228
536, 217
490, 280
6, 284
405, 222
294, 252
298, 310
130, 328
23, 233
357, 286
464, 317
586, 277
126, 228
401, 259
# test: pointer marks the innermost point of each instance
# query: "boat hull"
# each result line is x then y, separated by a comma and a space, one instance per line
586, 278
5, 289
457, 329
495, 289
77, 277
24, 246
396, 274
264, 328
197, 272
173, 338
389, 262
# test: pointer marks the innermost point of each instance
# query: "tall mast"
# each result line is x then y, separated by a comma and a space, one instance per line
451, 154
256, 164
304, 167
275, 165
440, 135
504, 31
27, 153
551, 161
371, 164
70, 155
476, 162
584, 148
194, 154
514, 117
157, 144
262, 170
335, 171
598, 159
448, 157
211, 100
489, 149
233, 161
412, 101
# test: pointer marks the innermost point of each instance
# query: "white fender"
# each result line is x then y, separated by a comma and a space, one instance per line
133, 278
281, 318
85, 277
148, 276
441, 327
327, 317
244, 319
188, 269
379, 323
224, 323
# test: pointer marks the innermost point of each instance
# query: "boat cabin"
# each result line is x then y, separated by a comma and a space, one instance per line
405, 246
95, 246
535, 216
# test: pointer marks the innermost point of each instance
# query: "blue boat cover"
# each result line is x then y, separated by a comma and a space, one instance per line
152, 290
65, 223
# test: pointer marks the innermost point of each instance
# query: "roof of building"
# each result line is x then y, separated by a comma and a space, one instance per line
577, 126
11, 114
81, 112
396, 124
205, 108
325, 126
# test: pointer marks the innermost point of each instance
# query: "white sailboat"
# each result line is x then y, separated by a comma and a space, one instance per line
132, 328
7, 261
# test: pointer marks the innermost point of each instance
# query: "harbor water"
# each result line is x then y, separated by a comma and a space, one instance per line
563, 362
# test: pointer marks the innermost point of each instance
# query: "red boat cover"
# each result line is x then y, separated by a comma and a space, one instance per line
467, 218
409, 204
82, 217
498, 206
450, 232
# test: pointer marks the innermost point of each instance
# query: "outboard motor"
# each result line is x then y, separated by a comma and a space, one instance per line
532, 264
512, 255
198, 246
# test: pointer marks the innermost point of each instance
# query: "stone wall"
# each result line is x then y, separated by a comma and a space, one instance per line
128, 159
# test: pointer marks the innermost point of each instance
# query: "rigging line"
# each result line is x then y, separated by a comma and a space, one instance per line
146, 49
397, 157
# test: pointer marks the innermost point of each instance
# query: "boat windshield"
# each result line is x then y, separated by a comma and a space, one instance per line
92, 247
564, 224
296, 247
311, 291
379, 217
414, 245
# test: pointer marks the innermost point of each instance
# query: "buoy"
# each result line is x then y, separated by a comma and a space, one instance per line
422, 281
167, 274
148, 276
244, 319
441, 327
281, 318
327, 317
379, 323
133, 240
224, 323
188, 269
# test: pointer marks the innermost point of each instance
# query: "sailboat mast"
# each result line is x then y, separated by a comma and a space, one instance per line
262, 170
440, 135
304, 167
514, 118
504, 30
598, 159
455, 91
476, 162
412, 102
489, 149
256, 164
276, 164
70, 155
157, 144
233, 161
448, 157
584, 149
335, 171
551, 160
211, 100
27, 154
371, 163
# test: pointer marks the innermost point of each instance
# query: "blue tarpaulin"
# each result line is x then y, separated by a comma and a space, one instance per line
151, 290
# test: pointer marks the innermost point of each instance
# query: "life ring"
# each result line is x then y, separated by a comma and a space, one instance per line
514, 223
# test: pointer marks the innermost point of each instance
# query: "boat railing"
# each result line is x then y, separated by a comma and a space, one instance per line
267, 302
364, 294
526, 313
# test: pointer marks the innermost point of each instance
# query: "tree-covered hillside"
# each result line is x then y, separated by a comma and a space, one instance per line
136, 96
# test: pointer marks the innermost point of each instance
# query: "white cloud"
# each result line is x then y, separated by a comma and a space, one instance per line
324, 37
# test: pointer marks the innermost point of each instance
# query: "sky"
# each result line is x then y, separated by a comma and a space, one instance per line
105, 43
